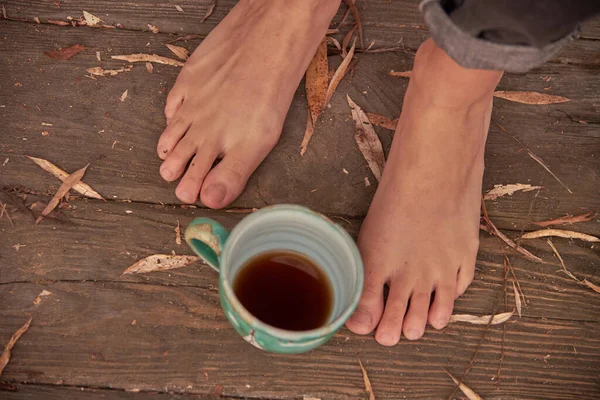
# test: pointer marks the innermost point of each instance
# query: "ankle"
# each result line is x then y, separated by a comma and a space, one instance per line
441, 82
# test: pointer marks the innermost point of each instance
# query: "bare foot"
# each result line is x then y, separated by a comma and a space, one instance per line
231, 97
421, 234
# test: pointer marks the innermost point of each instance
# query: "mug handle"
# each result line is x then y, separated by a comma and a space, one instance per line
207, 238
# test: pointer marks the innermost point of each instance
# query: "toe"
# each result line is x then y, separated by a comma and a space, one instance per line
174, 101
441, 309
464, 278
416, 317
369, 309
225, 182
174, 165
171, 136
189, 187
390, 327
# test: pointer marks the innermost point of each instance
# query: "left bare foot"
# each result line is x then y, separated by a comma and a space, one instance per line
421, 234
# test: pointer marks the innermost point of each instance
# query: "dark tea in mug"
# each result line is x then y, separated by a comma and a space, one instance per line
285, 290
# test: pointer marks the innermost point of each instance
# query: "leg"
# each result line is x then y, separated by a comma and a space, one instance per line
426, 209
421, 233
230, 100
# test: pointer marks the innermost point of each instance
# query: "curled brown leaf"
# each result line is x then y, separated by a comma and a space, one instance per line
65, 53
384, 122
148, 58
482, 320
160, 262
568, 219
5, 356
530, 97
67, 185
367, 140
81, 188
317, 80
560, 233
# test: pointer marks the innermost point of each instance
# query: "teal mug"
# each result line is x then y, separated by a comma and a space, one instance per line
281, 228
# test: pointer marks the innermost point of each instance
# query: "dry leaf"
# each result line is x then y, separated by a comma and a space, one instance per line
99, 71
569, 219
91, 20
368, 387
180, 52
402, 74
317, 81
492, 229
530, 97
339, 74
65, 53
148, 58
45, 133
67, 185
178, 234
560, 233
98, 56
335, 42
356, 16
38, 299
367, 182
517, 299
308, 133
541, 162
346, 41
123, 96
471, 395
37, 20
152, 28
508, 190
160, 262
55, 22
149, 67
382, 121
482, 320
81, 188
210, 10
178, 8
5, 356
367, 140
592, 286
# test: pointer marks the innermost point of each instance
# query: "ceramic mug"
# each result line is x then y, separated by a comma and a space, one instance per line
280, 228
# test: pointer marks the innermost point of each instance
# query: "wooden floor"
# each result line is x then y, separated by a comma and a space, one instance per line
102, 336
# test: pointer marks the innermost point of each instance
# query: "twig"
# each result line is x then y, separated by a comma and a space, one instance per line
5, 211
504, 327
532, 155
491, 228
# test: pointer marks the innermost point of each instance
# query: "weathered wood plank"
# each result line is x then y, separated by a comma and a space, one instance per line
95, 241
58, 392
84, 334
387, 23
90, 124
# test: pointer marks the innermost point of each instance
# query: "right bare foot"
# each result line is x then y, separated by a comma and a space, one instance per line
231, 97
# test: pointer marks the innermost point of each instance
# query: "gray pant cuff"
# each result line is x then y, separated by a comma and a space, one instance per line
472, 52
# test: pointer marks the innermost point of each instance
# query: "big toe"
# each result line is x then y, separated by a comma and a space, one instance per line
226, 181
369, 309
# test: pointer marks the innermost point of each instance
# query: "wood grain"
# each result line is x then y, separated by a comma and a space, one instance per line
96, 241
90, 124
83, 335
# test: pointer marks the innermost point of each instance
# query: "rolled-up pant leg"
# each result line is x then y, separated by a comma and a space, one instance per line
509, 35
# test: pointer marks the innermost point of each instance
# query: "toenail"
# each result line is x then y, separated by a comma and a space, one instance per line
413, 334
362, 318
185, 197
166, 173
386, 339
215, 193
